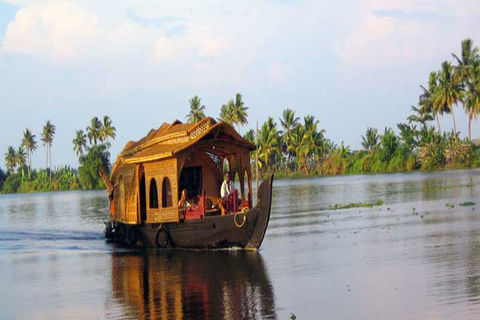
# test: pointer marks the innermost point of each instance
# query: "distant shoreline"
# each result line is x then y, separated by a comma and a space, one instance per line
279, 176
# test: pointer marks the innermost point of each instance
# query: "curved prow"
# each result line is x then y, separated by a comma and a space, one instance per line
264, 206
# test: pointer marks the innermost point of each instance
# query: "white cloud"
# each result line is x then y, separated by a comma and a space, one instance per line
395, 32
61, 31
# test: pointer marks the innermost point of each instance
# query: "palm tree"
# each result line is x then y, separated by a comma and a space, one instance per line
421, 115
268, 141
95, 130
472, 96
312, 143
295, 146
388, 144
21, 158
11, 159
370, 140
47, 137
448, 91
106, 129
80, 142
30, 144
464, 73
227, 113
196, 110
427, 99
469, 55
310, 123
289, 123
250, 136
239, 111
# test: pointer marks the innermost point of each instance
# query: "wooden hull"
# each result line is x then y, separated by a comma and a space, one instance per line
242, 230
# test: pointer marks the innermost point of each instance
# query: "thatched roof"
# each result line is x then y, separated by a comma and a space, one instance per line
170, 139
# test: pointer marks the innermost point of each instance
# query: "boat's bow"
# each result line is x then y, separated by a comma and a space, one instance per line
263, 207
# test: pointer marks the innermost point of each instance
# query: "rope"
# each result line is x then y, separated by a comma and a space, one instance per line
239, 225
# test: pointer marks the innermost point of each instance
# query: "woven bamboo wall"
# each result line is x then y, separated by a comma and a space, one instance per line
159, 170
125, 214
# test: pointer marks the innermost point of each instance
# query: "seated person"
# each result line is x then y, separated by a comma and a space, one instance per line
226, 191
227, 186
183, 203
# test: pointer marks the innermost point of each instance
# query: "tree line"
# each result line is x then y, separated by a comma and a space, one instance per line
91, 147
299, 147
293, 146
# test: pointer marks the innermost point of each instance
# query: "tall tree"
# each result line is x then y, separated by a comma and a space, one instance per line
250, 136
295, 145
469, 55
30, 145
464, 73
312, 144
448, 92
227, 113
427, 101
240, 115
197, 110
94, 131
21, 158
80, 142
107, 130
47, 138
370, 140
472, 96
11, 159
268, 141
289, 123
421, 115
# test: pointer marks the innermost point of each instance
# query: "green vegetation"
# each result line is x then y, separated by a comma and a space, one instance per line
196, 110
357, 205
96, 156
298, 147
467, 203
22, 178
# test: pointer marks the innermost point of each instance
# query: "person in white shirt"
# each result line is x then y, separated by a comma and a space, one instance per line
227, 186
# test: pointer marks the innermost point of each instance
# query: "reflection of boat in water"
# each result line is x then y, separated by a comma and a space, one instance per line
150, 175
191, 285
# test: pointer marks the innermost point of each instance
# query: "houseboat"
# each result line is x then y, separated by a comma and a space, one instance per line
165, 190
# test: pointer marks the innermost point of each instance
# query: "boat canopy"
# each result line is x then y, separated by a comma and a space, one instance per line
150, 174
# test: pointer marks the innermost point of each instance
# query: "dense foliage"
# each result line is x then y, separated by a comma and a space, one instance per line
61, 179
293, 146
90, 162
22, 178
297, 148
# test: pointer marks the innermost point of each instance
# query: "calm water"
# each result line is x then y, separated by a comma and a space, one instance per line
415, 257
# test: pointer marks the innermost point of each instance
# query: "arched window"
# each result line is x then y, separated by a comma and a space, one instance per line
121, 184
153, 194
166, 193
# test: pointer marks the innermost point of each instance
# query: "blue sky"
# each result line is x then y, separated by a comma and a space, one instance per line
351, 64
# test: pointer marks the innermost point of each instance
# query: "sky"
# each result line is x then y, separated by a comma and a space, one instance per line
351, 64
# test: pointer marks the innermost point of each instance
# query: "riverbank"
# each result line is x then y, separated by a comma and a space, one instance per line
301, 175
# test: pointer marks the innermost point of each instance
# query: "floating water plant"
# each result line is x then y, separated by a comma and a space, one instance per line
468, 203
450, 205
357, 205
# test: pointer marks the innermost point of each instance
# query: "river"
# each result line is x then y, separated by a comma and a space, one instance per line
416, 256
